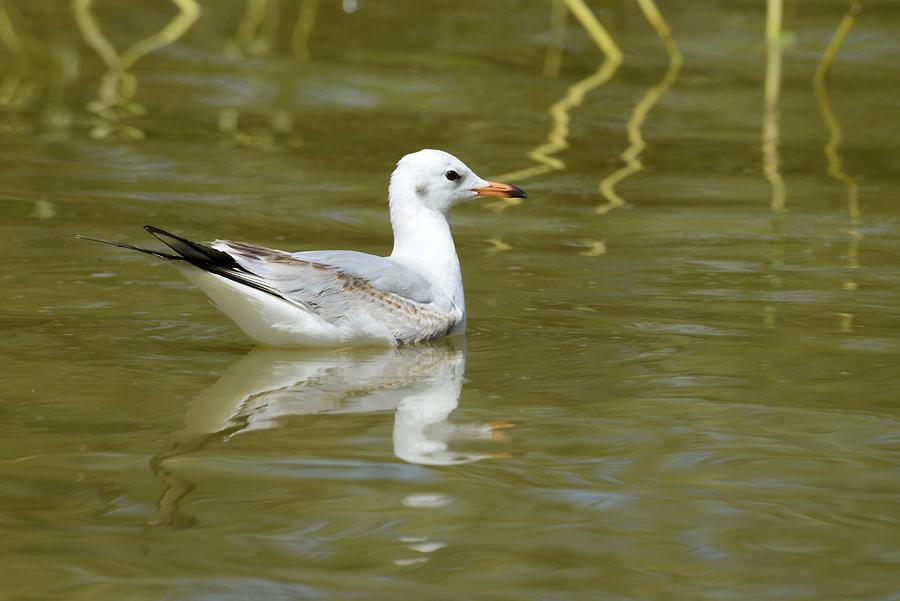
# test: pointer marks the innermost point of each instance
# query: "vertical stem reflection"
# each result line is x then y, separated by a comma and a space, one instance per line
16, 92
557, 139
833, 145
553, 59
118, 86
835, 132
257, 35
639, 113
246, 37
770, 134
306, 20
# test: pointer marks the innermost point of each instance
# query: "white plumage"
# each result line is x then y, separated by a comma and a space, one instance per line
333, 298
421, 384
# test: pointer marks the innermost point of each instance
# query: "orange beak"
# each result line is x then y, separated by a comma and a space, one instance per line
501, 190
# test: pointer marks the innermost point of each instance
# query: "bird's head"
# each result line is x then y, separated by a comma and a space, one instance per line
438, 180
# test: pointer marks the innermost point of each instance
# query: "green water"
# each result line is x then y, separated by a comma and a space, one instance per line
688, 396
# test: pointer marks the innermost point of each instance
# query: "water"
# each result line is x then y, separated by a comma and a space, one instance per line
688, 396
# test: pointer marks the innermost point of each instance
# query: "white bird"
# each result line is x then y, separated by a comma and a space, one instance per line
421, 384
341, 297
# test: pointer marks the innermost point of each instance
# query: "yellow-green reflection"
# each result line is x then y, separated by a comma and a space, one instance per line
257, 35
833, 145
639, 113
256, 30
245, 41
303, 28
65, 64
770, 133
557, 139
36, 75
682, 439
118, 86
776, 263
595, 248
770, 141
553, 59
497, 245
16, 92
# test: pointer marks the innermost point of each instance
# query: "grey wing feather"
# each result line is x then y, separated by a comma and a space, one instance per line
383, 273
341, 285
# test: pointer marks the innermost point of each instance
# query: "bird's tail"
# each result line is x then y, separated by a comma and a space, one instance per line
201, 255
148, 251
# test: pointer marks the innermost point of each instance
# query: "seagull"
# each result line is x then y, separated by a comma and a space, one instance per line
341, 297
420, 384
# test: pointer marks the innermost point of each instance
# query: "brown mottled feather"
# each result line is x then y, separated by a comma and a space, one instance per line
336, 295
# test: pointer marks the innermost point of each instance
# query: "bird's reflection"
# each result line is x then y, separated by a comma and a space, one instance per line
420, 383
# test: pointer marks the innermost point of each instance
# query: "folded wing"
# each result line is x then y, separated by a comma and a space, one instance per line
346, 286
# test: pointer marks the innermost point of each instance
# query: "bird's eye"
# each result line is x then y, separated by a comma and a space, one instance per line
452, 175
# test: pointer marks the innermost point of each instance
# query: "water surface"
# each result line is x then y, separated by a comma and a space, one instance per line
677, 384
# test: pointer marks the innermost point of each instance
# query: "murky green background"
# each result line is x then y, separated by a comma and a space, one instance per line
689, 396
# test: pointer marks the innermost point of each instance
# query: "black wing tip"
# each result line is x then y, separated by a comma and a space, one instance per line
93, 239
201, 255
158, 231
148, 251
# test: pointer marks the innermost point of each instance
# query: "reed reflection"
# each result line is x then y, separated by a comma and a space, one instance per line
421, 384
17, 90
553, 59
636, 120
36, 73
257, 36
118, 87
557, 139
770, 159
833, 146
770, 131
303, 29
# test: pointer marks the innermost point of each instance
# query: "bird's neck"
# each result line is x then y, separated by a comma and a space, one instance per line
423, 241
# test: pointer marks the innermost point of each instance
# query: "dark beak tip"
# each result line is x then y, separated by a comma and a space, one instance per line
518, 193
